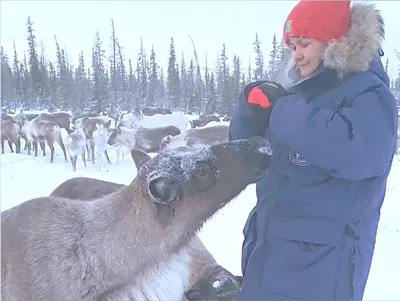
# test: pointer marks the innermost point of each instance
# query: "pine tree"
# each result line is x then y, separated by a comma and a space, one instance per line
162, 94
259, 61
272, 66
184, 103
282, 59
34, 69
99, 101
173, 81
7, 83
18, 97
141, 73
113, 68
153, 97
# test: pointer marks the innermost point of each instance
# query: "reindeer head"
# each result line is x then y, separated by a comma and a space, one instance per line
202, 180
113, 139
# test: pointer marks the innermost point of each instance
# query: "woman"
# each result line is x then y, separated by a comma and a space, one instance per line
312, 233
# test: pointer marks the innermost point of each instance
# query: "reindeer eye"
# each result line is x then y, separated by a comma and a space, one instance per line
203, 171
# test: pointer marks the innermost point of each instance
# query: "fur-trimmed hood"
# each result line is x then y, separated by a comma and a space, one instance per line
357, 49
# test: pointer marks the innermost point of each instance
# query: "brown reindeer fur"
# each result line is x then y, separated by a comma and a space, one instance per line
10, 132
25, 116
154, 111
5, 117
62, 119
89, 125
204, 136
43, 131
21, 118
203, 120
145, 139
204, 270
127, 241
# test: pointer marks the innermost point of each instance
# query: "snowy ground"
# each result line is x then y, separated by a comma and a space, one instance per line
24, 177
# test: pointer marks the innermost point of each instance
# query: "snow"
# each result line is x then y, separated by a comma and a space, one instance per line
24, 177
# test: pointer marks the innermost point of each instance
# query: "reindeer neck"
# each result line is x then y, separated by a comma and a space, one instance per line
123, 230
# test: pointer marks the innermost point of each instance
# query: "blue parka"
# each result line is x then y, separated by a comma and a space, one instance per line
312, 233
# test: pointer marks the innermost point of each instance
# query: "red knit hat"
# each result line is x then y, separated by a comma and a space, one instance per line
318, 20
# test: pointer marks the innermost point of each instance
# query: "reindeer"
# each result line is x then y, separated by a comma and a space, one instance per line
100, 137
10, 132
25, 116
89, 125
43, 131
5, 117
76, 118
154, 111
62, 119
196, 137
129, 244
204, 269
203, 120
136, 119
146, 139
75, 144
21, 119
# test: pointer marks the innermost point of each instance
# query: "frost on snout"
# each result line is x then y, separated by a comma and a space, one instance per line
202, 180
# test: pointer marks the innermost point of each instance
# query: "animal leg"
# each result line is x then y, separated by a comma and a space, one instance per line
18, 146
35, 146
61, 143
71, 159
43, 147
74, 159
88, 151
118, 150
10, 145
51, 145
29, 145
99, 160
107, 157
92, 150
2, 145
84, 158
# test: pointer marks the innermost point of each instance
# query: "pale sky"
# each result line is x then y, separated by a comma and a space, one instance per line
210, 23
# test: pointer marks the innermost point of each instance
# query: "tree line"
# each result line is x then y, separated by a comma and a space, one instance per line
110, 84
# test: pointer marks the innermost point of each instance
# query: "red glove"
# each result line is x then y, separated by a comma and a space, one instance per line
265, 94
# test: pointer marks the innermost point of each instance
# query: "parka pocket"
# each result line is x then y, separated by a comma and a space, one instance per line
306, 259
250, 236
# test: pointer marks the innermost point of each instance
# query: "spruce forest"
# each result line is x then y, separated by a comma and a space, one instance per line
113, 82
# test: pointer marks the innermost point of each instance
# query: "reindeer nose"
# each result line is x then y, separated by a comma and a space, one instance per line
264, 147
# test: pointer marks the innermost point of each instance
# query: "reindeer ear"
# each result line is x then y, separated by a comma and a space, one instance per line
164, 190
139, 157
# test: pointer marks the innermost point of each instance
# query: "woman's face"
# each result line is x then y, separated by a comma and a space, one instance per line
306, 54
